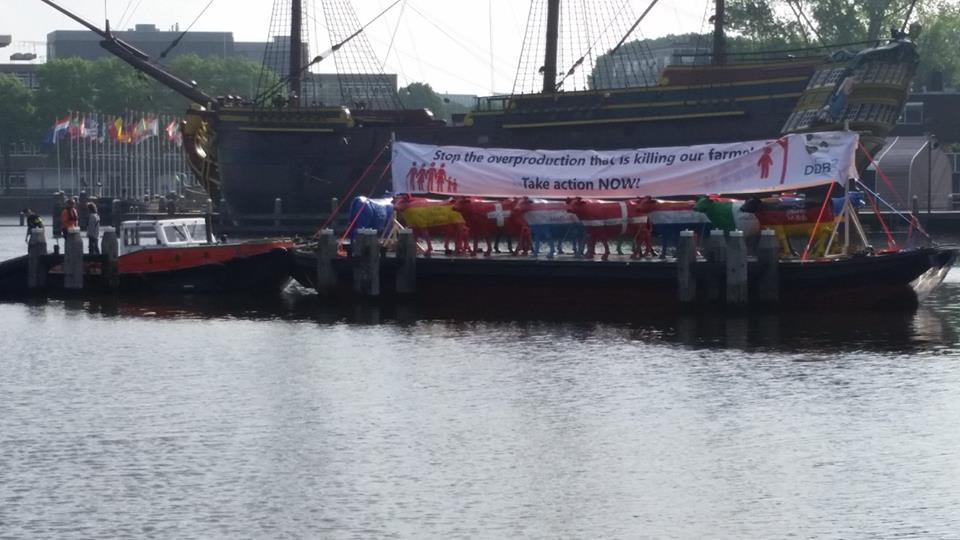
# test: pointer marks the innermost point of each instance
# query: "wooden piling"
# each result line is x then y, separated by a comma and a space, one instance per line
716, 251
277, 211
406, 262
326, 252
686, 257
768, 257
737, 293
334, 206
366, 263
110, 249
36, 267
73, 260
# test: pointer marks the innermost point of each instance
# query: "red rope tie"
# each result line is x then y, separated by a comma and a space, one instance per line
813, 233
891, 243
356, 217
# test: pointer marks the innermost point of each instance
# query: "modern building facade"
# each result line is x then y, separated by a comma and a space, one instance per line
146, 37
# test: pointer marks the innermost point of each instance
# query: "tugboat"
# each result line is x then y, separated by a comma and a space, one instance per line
176, 255
179, 255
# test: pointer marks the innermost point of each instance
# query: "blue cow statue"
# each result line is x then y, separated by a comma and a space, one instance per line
366, 213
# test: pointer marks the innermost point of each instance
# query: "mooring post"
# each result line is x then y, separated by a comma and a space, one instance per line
768, 257
110, 248
406, 262
326, 252
73, 260
686, 257
277, 211
36, 267
716, 248
116, 213
366, 263
736, 269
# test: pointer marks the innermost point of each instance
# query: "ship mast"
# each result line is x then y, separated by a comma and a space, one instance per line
719, 40
553, 33
296, 50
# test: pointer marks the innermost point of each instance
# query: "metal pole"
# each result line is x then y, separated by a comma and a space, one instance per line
59, 174
929, 176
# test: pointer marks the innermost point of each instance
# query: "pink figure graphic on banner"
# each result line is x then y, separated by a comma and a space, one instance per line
421, 176
431, 175
412, 177
441, 176
452, 183
766, 160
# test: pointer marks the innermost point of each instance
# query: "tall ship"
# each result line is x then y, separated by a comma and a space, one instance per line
282, 145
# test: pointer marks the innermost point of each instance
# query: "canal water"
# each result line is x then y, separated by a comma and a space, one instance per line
196, 418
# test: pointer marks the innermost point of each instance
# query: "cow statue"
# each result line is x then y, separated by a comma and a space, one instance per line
367, 213
728, 215
430, 216
796, 216
668, 218
607, 220
548, 221
488, 220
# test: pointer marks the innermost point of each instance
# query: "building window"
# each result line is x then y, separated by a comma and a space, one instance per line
17, 180
912, 114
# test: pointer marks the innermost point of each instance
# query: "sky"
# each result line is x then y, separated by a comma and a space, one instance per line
445, 43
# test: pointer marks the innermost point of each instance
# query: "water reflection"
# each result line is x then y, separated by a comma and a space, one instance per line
929, 327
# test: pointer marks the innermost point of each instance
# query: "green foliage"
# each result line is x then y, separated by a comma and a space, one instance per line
939, 42
16, 112
422, 96
110, 86
65, 85
222, 76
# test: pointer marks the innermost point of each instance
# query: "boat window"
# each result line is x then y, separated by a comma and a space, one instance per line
175, 234
197, 231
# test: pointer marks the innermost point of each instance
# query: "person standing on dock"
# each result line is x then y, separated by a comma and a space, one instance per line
93, 229
33, 222
69, 218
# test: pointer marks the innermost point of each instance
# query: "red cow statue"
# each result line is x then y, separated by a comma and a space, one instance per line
488, 220
606, 220
429, 216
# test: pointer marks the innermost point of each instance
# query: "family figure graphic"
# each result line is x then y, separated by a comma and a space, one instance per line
430, 178
766, 159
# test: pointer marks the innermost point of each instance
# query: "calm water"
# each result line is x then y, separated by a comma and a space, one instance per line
188, 418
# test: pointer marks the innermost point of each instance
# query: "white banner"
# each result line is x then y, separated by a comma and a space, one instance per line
784, 164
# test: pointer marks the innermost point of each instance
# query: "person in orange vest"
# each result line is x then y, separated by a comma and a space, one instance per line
69, 218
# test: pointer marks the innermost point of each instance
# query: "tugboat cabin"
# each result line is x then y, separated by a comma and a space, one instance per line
174, 233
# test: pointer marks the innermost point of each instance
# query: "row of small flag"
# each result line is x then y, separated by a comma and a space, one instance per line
101, 128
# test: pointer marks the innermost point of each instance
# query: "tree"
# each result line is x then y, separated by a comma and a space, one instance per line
119, 88
421, 96
16, 112
938, 42
65, 85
